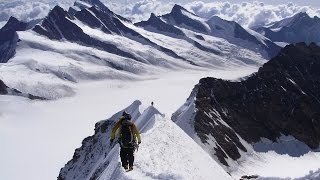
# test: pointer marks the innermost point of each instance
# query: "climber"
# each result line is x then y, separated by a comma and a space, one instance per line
127, 135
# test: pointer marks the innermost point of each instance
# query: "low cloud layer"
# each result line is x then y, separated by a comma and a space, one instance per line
29, 10
247, 14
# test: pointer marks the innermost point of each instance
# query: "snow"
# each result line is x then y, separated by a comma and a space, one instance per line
196, 18
82, 4
39, 137
259, 37
2, 23
160, 140
272, 164
284, 145
312, 175
281, 44
46, 133
217, 23
230, 54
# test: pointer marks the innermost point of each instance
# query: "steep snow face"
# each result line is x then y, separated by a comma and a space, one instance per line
166, 152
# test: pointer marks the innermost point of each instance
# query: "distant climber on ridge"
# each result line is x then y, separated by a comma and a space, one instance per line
127, 135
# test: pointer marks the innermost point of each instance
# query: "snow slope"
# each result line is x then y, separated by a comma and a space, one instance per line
166, 152
58, 127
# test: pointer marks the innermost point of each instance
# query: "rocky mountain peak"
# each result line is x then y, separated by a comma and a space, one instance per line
177, 9
14, 24
281, 99
3, 88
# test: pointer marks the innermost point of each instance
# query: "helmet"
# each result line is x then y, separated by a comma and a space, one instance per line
126, 115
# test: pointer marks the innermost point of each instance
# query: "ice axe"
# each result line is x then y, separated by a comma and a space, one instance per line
136, 146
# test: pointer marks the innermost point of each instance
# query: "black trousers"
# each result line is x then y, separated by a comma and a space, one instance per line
126, 155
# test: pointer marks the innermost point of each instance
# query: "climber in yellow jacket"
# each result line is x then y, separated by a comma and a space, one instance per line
128, 134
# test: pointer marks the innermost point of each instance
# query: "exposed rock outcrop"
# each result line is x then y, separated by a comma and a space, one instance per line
282, 98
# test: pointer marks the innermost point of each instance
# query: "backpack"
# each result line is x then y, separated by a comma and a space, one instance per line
127, 137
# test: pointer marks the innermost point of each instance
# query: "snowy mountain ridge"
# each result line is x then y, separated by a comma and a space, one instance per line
298, 28
166, 152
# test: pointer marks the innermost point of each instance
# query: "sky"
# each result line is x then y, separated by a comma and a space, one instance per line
247, 13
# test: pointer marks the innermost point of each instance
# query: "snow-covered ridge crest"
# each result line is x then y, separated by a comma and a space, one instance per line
166, 152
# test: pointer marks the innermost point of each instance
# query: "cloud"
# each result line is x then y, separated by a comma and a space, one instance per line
29, 10
249, 14
141, 10
245, 13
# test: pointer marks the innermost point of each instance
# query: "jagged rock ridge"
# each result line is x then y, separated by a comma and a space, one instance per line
282, 98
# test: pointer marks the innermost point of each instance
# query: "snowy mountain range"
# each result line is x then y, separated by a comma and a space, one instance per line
90, 42
299, 28
221, 128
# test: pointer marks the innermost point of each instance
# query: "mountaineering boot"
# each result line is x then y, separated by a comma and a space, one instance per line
130, 169
125, 167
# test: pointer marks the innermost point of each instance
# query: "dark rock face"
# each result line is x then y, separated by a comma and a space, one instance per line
301, 28
154, 23
281, 98
176, 16
14, 24
9, 38
88, 18
100, 5
85, 158
3, 88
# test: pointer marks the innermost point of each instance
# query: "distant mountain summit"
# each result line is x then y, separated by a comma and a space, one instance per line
156, 24
9, 38
236, 34
281, 99
182, 17
299, 28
